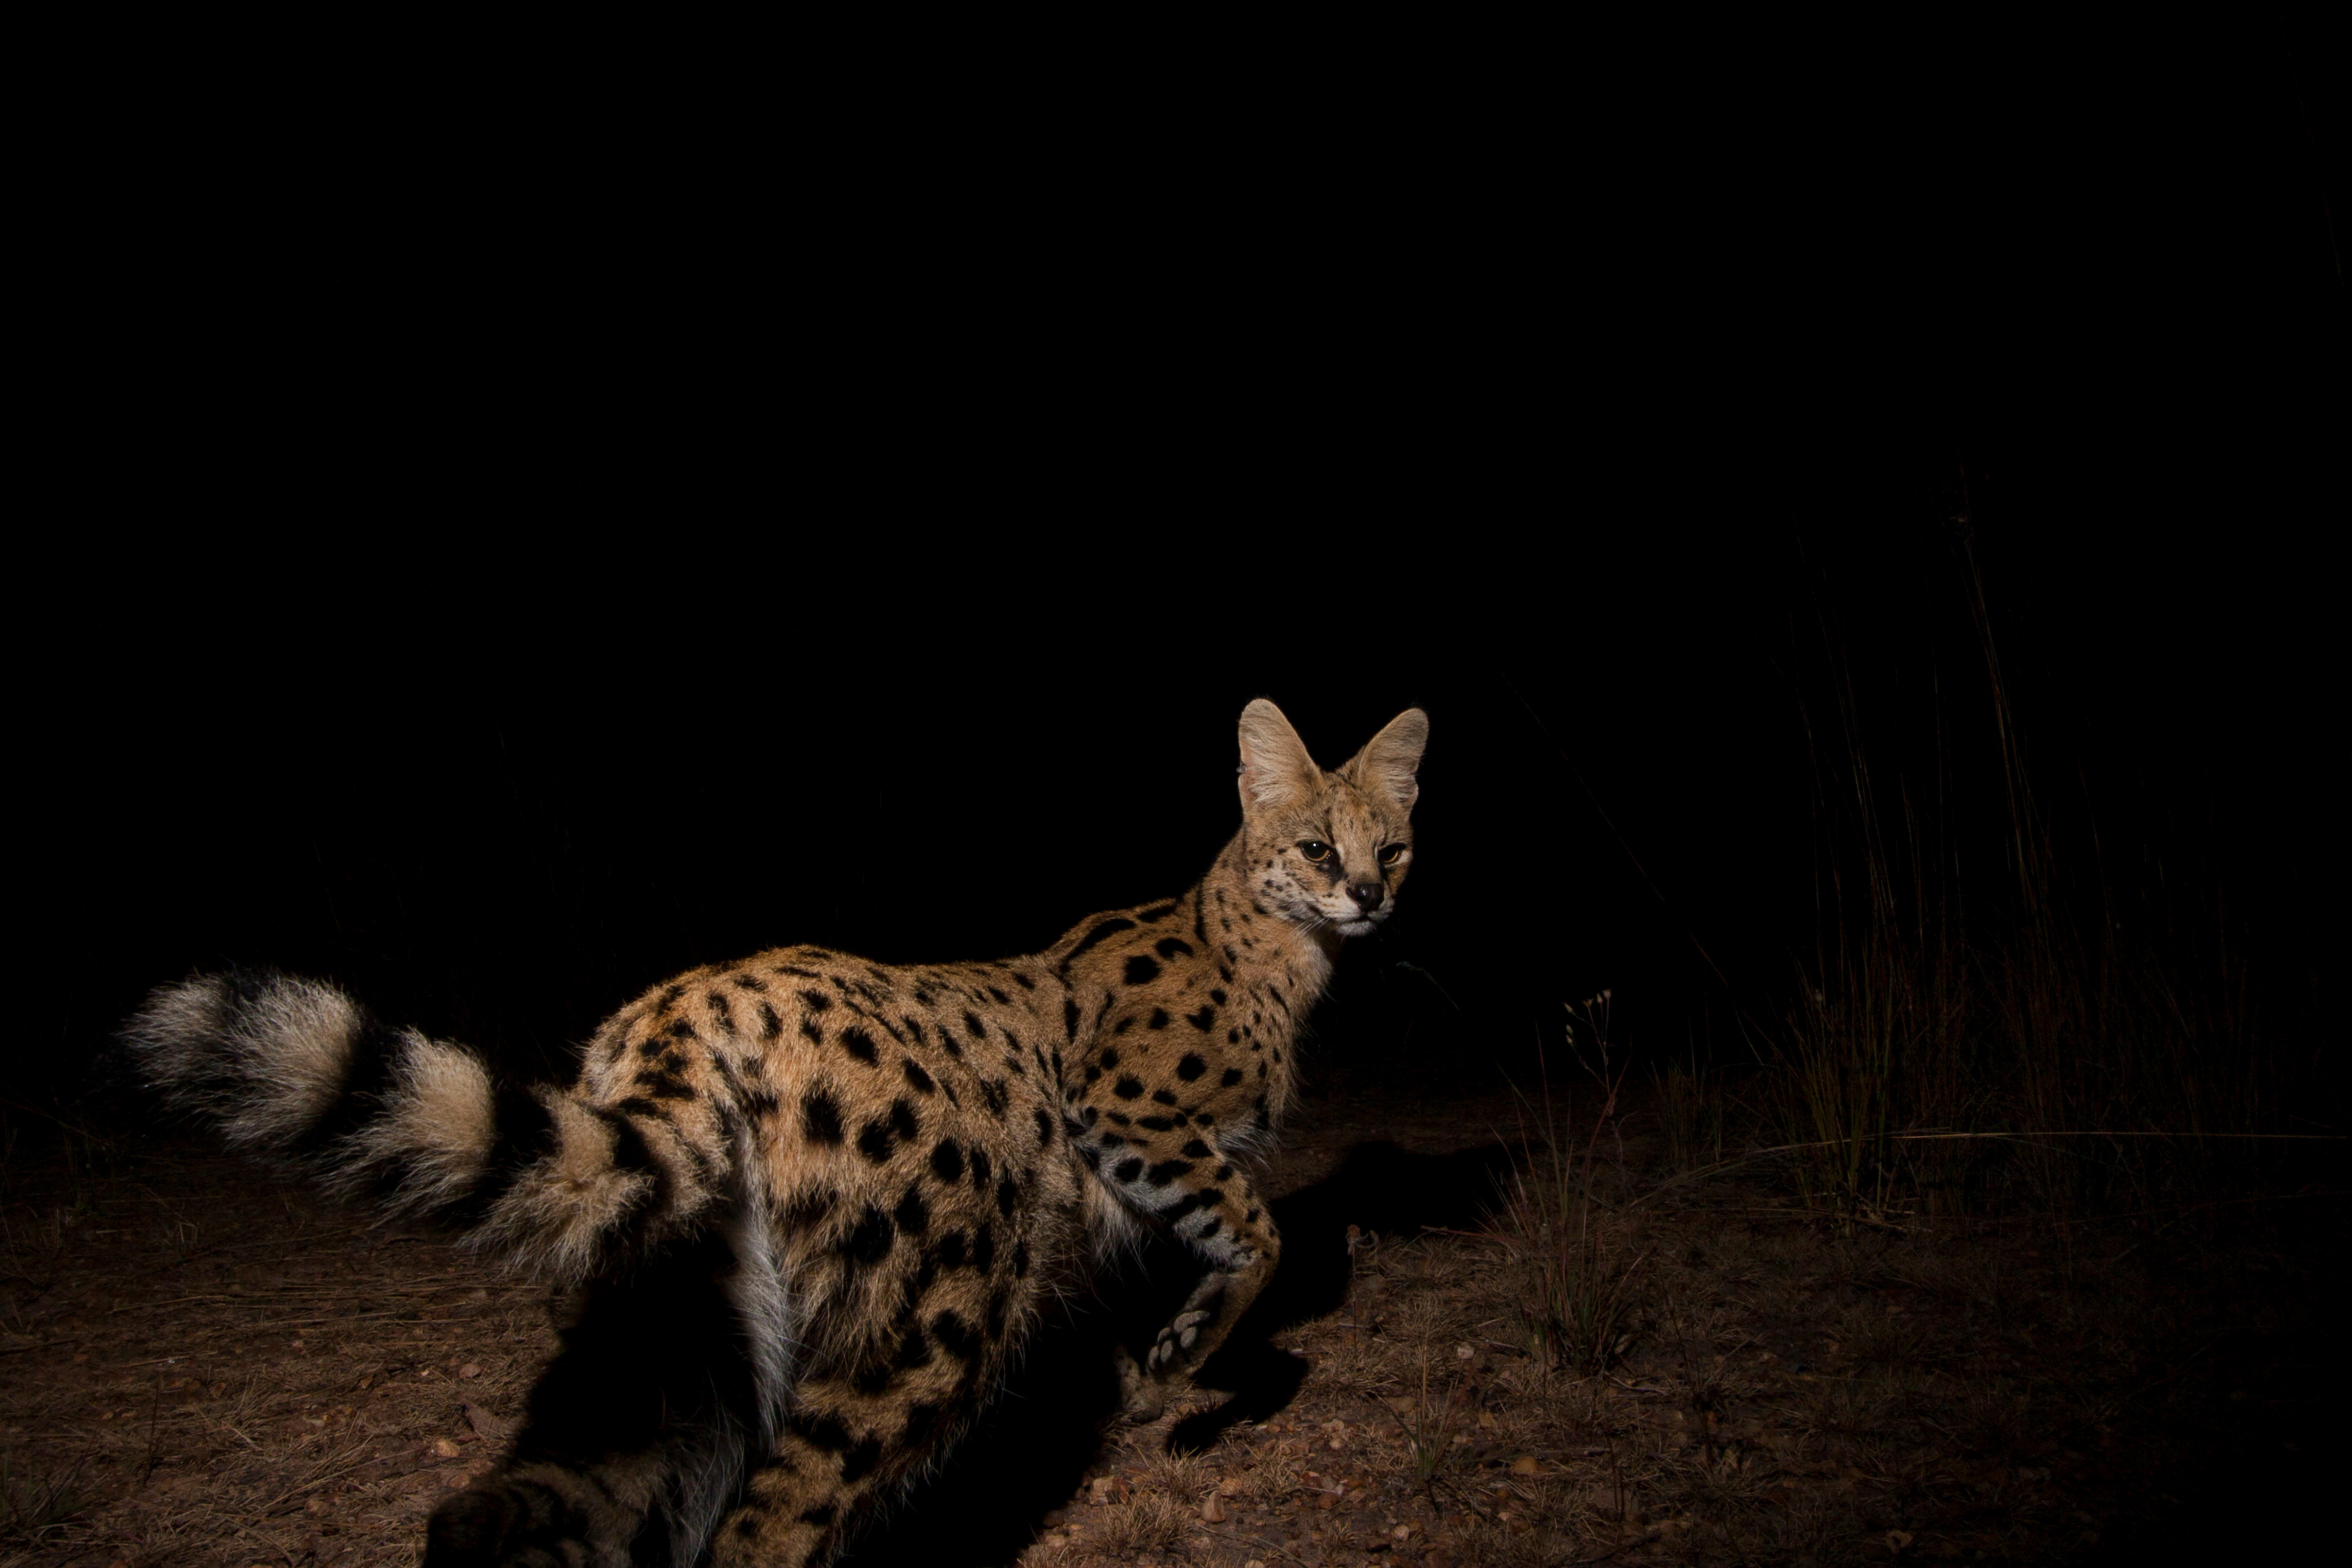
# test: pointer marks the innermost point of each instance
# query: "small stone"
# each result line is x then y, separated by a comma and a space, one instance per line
469, 1369
443, 1448
1214, 1510
1525, 1465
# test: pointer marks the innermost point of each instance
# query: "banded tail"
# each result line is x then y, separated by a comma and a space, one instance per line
295, 1070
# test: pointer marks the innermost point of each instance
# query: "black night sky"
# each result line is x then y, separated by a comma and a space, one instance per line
442, 602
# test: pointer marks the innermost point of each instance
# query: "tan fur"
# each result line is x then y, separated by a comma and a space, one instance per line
437, 1127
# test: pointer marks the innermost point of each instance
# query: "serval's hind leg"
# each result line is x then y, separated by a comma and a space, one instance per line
638, 1435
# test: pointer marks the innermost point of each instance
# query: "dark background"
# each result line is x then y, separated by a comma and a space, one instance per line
499, 560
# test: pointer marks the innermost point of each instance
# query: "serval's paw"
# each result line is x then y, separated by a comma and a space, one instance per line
1142, 1397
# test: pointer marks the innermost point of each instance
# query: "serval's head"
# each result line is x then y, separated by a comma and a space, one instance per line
1328, 848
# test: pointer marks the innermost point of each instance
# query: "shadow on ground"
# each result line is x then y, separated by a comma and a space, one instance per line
1031, 1450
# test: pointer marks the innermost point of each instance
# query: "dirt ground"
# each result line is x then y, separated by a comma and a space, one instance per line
200, 1364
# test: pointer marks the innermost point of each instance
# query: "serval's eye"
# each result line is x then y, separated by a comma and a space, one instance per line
1314, 849
1391, 854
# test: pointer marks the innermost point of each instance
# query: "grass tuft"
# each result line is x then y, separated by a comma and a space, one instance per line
1577, 1251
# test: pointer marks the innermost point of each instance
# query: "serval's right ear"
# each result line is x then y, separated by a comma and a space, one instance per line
1277, 772
1391, 759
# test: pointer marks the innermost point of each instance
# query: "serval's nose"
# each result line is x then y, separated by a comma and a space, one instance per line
1367, 895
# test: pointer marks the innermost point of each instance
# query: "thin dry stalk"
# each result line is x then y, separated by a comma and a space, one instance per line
1578, 1309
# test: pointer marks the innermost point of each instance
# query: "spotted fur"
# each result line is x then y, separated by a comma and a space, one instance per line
861, 1180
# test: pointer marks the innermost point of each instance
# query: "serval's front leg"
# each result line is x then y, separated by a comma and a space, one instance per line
1218, 1214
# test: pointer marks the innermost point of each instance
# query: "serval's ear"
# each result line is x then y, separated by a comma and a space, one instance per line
1390, 759
1276, 769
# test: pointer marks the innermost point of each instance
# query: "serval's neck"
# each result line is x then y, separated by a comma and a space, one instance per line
1275, 969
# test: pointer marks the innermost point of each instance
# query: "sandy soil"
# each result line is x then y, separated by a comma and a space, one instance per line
201, 1364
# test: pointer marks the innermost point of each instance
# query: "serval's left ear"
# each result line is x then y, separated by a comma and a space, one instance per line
1390, 759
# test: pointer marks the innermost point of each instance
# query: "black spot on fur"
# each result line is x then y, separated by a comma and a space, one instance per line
913, 1215
1156, 912
1165, 1097
1159, 1018
995, 1096
1232, 1077
1008, 1197
1172, 947
1142, 969
947, 1161
1127, 1170
916, 1076
769, 1024
662, 1085
903, 1121
1129, 1089
949, 1253
984, 1248
1191, 1066
820, 1117
1167, 1170
955, 1336
1203, 1020
860, 1044
980, 1174
1196, 1150
824, 1432
1110, 1058
874, 1140
871, 1241
1044, 1126
1070, 1019
923, 1423
1108, 928
859, 1462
